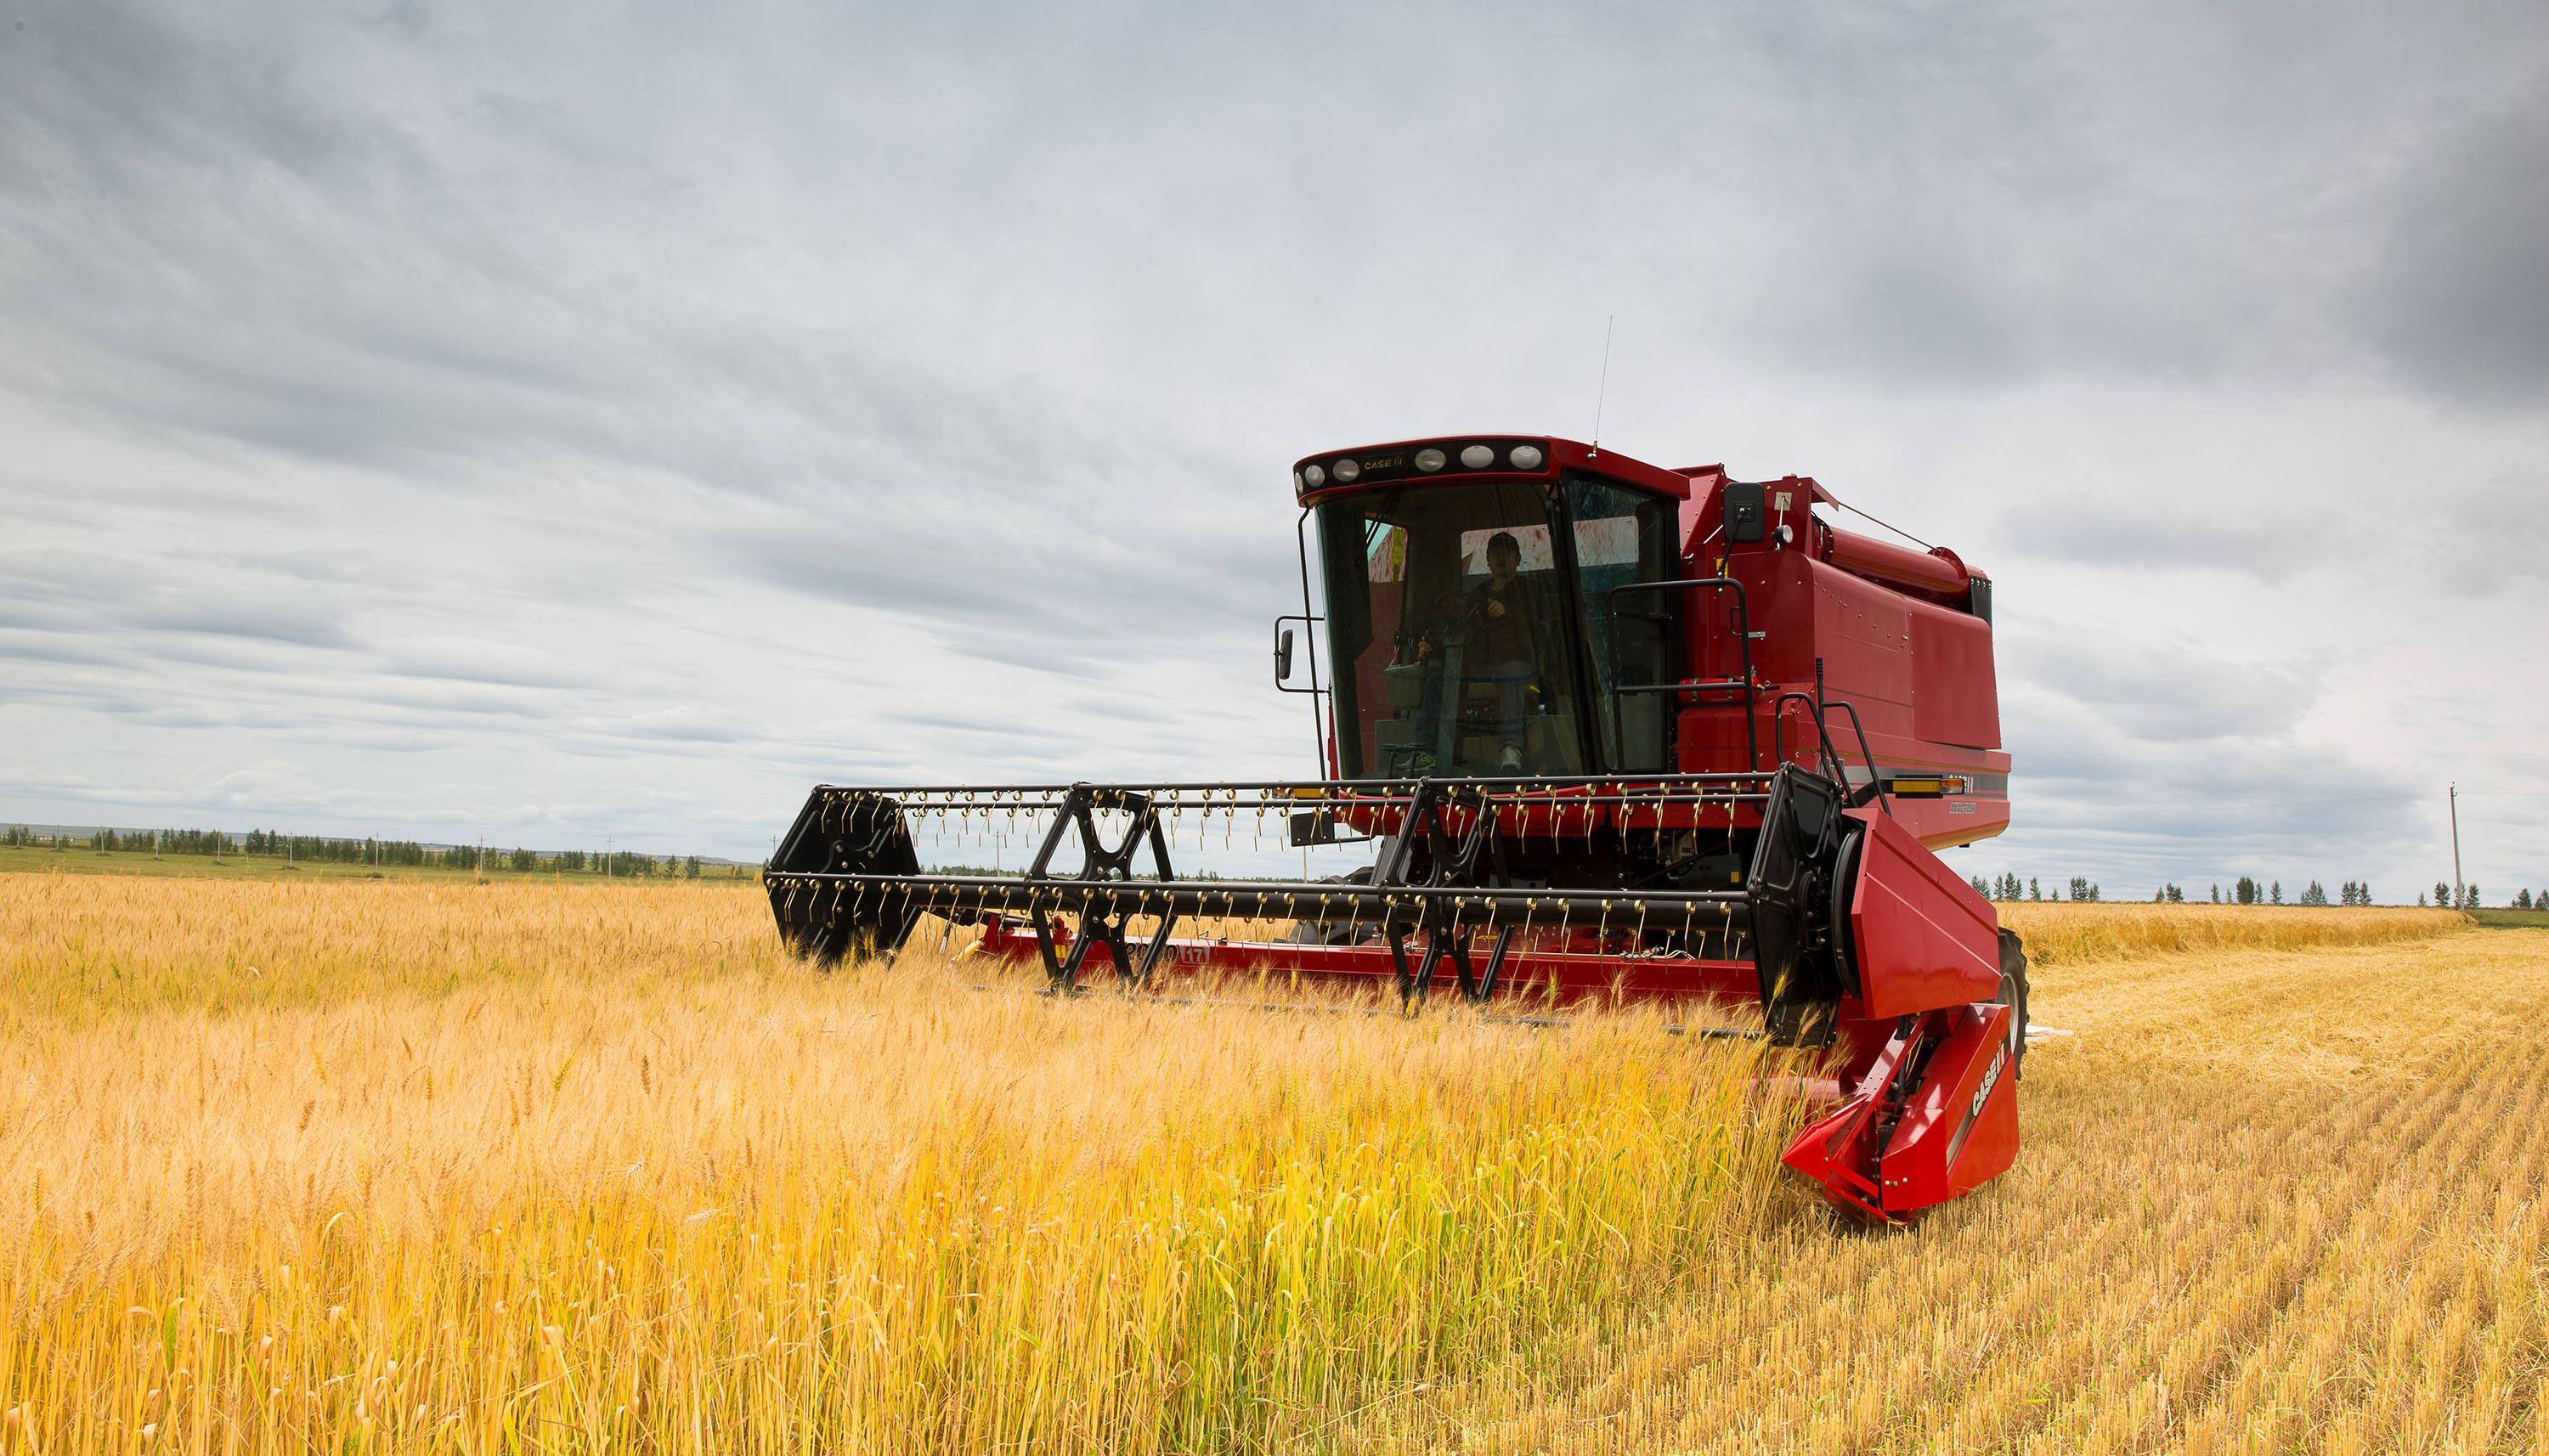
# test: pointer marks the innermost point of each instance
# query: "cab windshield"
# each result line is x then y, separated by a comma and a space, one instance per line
1458, 643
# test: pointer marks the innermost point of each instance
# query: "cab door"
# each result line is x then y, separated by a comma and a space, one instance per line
1622, 543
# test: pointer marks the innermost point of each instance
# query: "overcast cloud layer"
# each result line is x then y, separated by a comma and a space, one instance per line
590, 423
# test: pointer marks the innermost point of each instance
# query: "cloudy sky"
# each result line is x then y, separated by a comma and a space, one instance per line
568, 422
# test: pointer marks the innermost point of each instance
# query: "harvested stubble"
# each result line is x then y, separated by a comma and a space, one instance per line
2269, 1202
561, 1168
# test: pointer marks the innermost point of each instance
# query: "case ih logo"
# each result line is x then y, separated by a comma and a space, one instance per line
1380, 462
1991, 1080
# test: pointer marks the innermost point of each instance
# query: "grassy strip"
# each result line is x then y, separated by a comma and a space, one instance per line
2068, 934
44, 860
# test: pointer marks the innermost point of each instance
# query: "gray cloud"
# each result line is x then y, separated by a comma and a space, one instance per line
2173, 692
2110, 790
2168, 528
576, 420
2455, 299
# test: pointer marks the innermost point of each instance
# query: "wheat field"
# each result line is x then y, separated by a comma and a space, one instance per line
436, 1166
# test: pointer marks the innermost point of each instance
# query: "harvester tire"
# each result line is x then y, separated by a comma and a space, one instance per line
2013, 994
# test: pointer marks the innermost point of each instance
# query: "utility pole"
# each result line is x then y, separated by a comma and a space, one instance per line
2458, 893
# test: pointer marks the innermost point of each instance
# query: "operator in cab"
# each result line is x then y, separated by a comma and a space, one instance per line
1491, 623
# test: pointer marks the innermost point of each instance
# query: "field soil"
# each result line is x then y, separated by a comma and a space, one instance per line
557, 1168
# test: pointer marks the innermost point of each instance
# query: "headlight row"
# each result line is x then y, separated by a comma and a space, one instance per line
1345, 470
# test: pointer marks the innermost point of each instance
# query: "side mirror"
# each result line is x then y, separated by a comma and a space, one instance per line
1283, 656
1747, 511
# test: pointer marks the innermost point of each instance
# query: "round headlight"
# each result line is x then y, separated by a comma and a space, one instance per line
1429, 457
1313, 477
1347, 470
1525, 457
1478, 457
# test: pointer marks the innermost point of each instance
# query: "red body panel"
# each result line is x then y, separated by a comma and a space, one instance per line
1891, 638
1543, 971
1921, 937
1960, 1128
1954, 700
1836, 1148
1957, 1126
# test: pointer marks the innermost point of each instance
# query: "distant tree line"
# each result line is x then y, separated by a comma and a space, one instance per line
2248, 889
387, 852
2010, 887
2468, 898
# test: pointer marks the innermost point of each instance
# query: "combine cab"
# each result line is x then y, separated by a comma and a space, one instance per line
1611, 733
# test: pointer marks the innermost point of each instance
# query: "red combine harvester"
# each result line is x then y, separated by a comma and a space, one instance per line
1616, 733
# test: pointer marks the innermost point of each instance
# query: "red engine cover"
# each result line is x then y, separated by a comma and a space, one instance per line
1921, 937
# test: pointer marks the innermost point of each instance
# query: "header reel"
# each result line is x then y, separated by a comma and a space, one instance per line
1467, 871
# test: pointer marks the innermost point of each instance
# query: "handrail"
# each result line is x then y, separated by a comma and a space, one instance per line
1744, 647
1831, 759
1875, 785
1866, 755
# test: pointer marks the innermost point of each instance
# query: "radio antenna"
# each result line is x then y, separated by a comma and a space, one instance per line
1603, 392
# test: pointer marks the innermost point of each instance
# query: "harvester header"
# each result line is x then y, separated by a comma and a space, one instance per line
1608, 732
